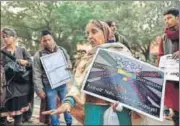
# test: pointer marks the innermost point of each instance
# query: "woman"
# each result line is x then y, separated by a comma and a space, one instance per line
98, 33
16, 94
116, 37
112, 26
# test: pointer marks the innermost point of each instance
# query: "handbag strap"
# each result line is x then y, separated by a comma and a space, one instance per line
8, 55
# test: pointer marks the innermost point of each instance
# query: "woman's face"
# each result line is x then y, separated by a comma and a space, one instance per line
8, 40
94, 34
113, 27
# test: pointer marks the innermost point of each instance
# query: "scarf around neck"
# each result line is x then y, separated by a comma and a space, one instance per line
172, 34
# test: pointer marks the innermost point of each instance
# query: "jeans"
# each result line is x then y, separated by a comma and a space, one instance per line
52, 103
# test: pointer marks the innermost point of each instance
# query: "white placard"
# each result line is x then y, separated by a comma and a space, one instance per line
170, 66
55, 65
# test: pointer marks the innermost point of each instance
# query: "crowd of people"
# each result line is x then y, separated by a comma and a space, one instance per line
17, 95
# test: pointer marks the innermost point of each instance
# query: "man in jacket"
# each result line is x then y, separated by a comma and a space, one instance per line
41, 82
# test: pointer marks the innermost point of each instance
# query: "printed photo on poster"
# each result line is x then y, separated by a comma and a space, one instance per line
136, 85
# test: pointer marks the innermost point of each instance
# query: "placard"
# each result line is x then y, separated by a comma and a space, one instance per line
137, 85
55, 66
170, 66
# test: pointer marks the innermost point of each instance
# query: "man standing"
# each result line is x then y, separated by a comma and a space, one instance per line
169, 44
41, 82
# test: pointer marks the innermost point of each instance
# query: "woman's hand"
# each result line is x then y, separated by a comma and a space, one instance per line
116, 106
23, 62
65, 107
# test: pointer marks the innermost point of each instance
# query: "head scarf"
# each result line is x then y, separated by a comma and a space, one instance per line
105, 29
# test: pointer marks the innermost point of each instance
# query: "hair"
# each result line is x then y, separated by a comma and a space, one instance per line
109, 23
45, 32
104, 27
173, 11
9, 31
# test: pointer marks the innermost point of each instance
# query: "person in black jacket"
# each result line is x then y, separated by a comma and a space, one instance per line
17, 93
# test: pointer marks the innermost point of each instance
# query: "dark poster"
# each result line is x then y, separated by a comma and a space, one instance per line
137, 85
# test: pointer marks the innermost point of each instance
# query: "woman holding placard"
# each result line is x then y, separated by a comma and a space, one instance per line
98, 33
